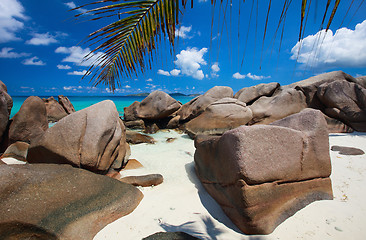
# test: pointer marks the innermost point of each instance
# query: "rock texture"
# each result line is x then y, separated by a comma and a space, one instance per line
310, 86
55, 112
220, 116
347, 150
6, 104
197, 105
133, 137
66, 104
144, 181
93, 138
8, 99
170, 236
130, 113
250, 94
282, 104
17, 150
345, 101
30, 122
336, 126
60, 201
157, 105
261, 175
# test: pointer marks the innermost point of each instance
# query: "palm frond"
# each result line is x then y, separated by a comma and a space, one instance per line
127, 44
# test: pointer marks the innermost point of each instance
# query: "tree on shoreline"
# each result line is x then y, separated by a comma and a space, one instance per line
138, 27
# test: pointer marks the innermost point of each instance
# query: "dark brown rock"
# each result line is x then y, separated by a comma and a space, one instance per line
361, 81
173, 123
347, 150
130, 112
17, 150
24, 231
133, 137
30, 122
261, 175
137, 124
66, 104
336, 126
63, 201
310, 86
220, 116
345, 101
93, 138
157, 105
282, 104
4, 113
250, 94
8, 99
197, 105
55, 112
151, 127
170, 236
144, 181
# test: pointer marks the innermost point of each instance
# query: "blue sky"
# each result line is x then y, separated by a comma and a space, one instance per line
41, 48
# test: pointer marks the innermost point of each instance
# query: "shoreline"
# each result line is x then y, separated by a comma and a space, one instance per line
181, 203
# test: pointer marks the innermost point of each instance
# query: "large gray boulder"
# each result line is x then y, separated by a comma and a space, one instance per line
310, 86
345, 101
197, 105
64, 202
93, 138
261, 175
157, 105
220, 116
130, 112
55, 112
30, 122
282, 104
8, 99
361, 81
250, 94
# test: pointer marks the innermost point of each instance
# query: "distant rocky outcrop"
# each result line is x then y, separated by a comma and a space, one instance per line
30, 122
60, 202
261, 175
250, 94
93, 138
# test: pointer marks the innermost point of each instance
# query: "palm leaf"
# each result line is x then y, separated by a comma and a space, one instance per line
127, 43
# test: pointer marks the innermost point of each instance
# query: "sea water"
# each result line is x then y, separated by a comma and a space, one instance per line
81, 102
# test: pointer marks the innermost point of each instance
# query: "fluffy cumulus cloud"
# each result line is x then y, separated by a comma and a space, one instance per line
63, 67
78, 73
77, 54
175, 72
34, 61
215, 69
8, 53
183, 32
344, 48
249, 75
11, 19
162, 72
41, 39
189, 61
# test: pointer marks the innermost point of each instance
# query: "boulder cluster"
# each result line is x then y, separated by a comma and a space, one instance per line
61, 196
340, 97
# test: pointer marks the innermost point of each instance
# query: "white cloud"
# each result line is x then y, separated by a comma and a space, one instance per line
345, 48
149, 80
34, 61
72, 5
215, 69
183, 32
76, 55
7, 53
59, 66
42, 39
11, 16
162, 72
190, 61
175, 72
78, 73
127, 86
249, 75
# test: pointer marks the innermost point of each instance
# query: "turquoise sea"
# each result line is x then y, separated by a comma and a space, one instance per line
81, 102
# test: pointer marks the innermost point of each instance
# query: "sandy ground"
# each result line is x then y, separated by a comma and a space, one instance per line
182, 204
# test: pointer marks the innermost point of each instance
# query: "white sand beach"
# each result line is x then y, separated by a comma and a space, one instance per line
181, 203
